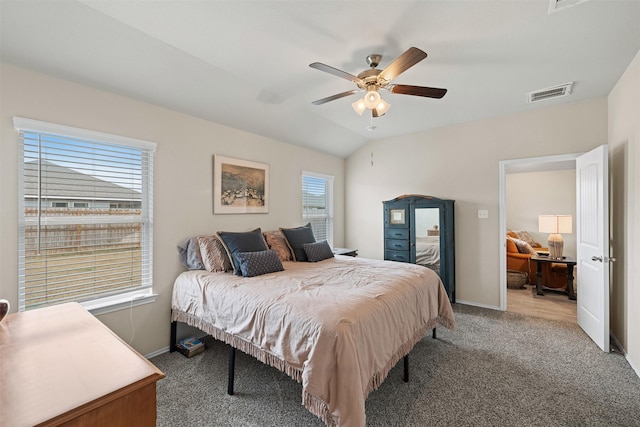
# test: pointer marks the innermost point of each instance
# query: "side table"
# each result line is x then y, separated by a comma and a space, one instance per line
345, 251
569, 262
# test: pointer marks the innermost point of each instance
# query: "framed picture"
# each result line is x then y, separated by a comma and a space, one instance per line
240, 186
397, 216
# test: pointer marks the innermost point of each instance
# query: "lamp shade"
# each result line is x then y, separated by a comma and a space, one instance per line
554, 224
359, 106
383, 107
372, 99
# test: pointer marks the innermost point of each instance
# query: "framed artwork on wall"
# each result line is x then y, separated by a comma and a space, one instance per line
240, 186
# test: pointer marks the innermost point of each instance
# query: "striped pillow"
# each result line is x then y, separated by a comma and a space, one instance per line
276, 241
214, 256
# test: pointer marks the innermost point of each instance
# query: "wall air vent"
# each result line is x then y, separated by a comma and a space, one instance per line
550, 92
558, 5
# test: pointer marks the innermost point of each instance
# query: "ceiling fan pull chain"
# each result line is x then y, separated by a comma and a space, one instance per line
371, 127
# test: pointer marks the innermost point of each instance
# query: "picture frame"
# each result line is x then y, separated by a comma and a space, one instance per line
396, 217
240, 186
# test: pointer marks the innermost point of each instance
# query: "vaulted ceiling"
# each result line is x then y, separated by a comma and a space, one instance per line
245, 64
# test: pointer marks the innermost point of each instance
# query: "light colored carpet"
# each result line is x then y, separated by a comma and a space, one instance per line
496, 369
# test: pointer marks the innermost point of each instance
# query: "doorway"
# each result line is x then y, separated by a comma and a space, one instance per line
537, 178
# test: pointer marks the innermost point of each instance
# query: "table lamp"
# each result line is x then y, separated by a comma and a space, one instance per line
555, 225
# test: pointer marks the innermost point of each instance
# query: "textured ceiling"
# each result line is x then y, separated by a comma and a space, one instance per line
245, 63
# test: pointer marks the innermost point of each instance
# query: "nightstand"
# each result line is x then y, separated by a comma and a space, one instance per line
345, 252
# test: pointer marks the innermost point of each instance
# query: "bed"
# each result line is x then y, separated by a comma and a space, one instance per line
338, 326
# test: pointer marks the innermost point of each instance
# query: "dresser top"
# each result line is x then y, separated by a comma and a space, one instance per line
57, 359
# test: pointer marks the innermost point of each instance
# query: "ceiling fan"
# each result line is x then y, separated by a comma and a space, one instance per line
373, 80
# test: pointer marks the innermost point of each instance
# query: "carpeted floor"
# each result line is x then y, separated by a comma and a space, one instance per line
496, 369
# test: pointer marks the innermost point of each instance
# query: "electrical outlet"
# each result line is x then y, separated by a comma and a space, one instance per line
483, 213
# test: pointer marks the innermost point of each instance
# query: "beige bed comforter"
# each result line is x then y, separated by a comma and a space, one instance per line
338, 326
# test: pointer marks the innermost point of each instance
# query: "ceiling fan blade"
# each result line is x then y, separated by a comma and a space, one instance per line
334, 97
408, 59
335, 72
428, 92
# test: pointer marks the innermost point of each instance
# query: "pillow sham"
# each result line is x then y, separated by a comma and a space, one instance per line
259, 262
296, 237
524, 235
276, 241
235, 242
189, 252
317, 251
213, 254
511, 246
524, 247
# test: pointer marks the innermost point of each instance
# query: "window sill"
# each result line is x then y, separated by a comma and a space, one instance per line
119, 302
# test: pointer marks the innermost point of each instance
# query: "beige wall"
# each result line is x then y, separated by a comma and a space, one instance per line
182, 180
461, 163
624, 171
458, 162
541, 193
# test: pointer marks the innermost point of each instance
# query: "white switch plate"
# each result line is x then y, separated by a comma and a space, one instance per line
483, 213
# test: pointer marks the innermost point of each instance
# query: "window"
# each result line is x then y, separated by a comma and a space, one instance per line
73, 246
317, 204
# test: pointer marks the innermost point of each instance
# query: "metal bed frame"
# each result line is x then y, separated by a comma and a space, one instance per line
232, 357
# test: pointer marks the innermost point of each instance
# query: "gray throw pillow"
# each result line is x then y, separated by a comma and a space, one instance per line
317, 251
257, 263
249, 241
296, 237
189, 252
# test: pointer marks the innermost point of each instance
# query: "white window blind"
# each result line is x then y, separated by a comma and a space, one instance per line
85, 220
317, 204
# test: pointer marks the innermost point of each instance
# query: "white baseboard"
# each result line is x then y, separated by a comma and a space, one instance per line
633, 366
626, 356
157, 352
475, 304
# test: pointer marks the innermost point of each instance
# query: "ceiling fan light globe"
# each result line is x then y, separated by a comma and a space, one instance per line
359, 106
382, 107
372, 99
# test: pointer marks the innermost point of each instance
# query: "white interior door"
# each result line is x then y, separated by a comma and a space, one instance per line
592, 231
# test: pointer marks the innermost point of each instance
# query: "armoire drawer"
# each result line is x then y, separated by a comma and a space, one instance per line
397, 245
401, 256
396, 233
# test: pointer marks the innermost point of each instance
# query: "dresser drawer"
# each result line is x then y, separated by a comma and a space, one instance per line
397, 245
396, 233
402, 256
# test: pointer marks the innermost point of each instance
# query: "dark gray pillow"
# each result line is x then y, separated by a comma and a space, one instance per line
189, 251
296, 237
317, 251
249, 241
257, 263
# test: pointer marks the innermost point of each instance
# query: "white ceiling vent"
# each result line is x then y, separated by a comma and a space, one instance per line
550, 92
557, 5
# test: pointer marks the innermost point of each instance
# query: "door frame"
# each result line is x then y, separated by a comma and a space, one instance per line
531, 164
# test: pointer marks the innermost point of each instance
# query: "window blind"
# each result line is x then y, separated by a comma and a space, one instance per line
85, 220
317, 205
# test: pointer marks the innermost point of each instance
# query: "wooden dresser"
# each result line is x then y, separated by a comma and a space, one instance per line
61, 366
420, 230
